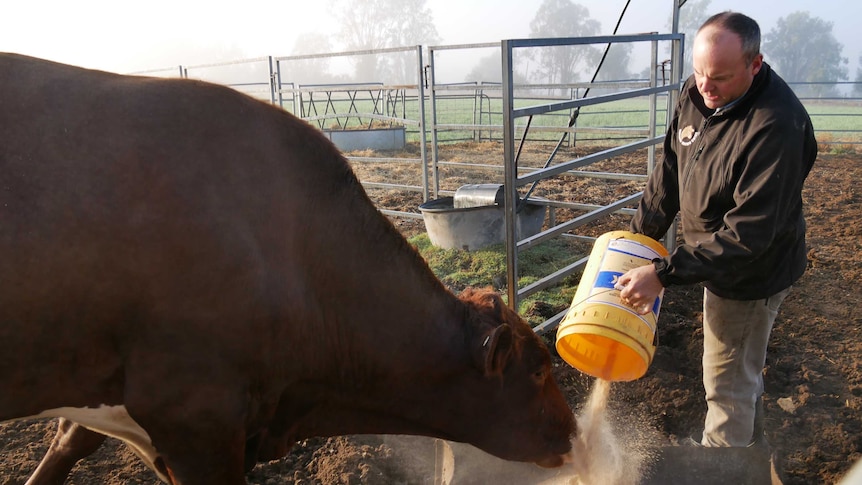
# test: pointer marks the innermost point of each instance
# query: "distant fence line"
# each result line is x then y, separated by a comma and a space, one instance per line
476, 106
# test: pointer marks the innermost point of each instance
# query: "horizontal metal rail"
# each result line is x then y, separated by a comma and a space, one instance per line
543, 129
403, 121
576, 173
323, 55
553, 278
559, 275
532, 87
491, 45
591, 216
385, 159
381, 185
587, 160
577, 103
408, 215
558, 204
550, 323
347, 88
602, 39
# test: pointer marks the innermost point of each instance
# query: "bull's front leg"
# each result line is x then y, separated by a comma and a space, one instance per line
197, 428
194, 456
71, 444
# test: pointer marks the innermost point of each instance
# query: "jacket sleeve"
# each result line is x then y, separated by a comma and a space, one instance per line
660, 202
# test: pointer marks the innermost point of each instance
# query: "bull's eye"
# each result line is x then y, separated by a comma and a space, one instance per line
539, 376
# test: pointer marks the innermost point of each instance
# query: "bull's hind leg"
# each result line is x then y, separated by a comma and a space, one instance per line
71, 444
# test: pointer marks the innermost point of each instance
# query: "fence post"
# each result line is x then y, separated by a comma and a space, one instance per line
423, 150
435, 155
272, 83
511, 174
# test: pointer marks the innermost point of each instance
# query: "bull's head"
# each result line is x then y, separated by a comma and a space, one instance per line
527, 417
482, 377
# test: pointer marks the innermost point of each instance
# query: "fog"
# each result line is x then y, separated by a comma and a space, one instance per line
124, 37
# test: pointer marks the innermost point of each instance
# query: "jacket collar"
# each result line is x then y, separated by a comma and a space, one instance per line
742, 103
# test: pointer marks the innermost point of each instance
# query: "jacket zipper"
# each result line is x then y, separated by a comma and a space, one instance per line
696, 156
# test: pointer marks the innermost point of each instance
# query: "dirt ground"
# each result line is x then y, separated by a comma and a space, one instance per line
813, 375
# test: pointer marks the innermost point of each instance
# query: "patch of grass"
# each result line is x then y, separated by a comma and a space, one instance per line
827, 143
843, 149
458, 269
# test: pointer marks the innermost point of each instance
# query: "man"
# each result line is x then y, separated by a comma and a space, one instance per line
735, 158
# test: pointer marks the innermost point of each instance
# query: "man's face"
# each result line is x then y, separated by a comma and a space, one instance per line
720, 69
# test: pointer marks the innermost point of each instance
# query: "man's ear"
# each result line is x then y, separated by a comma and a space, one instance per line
756, 64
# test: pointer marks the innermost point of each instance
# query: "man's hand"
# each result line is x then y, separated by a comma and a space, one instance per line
639, 288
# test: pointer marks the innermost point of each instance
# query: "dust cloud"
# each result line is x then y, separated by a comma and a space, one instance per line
612, 448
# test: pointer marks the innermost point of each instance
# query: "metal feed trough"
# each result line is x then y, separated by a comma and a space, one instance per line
461, 464
474, 217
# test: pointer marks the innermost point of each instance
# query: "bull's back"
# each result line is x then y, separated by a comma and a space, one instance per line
140, 212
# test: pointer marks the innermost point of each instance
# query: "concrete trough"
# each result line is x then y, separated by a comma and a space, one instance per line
372, 139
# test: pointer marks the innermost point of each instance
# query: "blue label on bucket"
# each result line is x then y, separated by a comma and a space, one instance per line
607, 279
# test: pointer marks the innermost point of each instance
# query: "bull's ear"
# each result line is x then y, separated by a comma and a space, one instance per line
496, 347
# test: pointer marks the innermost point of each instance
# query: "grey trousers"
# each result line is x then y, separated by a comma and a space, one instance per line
735, 337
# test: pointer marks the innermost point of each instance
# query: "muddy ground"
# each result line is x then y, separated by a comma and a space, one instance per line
813, 377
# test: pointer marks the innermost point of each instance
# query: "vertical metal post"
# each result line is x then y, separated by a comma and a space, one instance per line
279, 94
511, 174
652, 107
420, 89
573, 135
676, 58
476, 98
433, 98
272, 82
677, 47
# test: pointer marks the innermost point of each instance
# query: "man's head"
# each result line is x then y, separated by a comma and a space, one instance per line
726, 57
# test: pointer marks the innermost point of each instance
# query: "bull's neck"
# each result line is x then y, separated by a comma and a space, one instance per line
384, 311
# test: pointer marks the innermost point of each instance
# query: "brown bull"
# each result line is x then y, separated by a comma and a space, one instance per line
184, 267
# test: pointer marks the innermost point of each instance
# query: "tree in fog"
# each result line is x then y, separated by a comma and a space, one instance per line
616, 64
313, 70
490, 69
378, 24
802, 48
567, 64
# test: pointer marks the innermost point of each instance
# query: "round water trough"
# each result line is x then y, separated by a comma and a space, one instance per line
479, 226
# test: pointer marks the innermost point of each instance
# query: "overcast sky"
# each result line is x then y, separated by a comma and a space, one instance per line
132, 36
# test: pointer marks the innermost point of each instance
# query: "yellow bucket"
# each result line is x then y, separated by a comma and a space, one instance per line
599, 335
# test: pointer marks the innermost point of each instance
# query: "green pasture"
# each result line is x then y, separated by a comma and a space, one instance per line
835, 122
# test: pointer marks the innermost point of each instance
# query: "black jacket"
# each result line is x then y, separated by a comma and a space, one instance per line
736, 180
